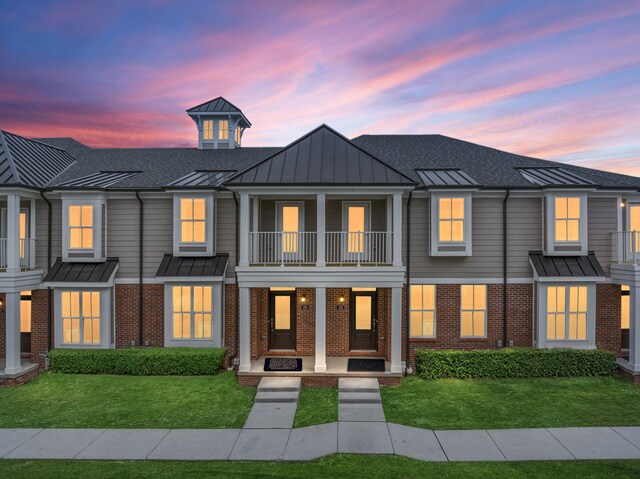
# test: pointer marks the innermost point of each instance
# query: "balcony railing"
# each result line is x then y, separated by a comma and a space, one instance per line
27, 253
626, 247
341, 248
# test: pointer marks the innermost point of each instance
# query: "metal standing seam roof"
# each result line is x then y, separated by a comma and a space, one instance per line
28, 162
218, 105
321, 157
102, 179
193, 266
553, 176
566, 266
449, 177
203, 178
72, 272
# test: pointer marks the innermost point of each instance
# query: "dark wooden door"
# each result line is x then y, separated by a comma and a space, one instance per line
282, 320
363, 331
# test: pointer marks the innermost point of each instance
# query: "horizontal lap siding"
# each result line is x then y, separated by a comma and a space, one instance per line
123, 236
42, 234
524, 219
226, 231
603, 220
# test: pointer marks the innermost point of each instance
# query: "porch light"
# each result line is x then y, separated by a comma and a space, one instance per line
622, 205
303, 299
341, 299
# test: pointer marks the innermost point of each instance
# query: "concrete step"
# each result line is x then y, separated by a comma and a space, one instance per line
356, 384
359, 397
277, 396
274, 384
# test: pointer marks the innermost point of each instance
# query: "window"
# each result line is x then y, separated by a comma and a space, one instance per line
625, 307
80, 227
290, 228
192, 312
80, 317
223, 129
450, 220
567, 219
207, 130
567, 313
238, 134
422, 313
25, 311
23, 234
192, 220
473, 313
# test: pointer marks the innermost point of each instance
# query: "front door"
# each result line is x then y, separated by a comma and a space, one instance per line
363, 334
25, 322
282, 320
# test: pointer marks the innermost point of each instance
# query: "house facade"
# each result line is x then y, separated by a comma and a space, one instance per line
326, 249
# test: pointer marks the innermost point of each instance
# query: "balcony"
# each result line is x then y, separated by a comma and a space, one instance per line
341, 248
625, 247
27, 259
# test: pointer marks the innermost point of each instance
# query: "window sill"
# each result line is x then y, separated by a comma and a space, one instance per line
474, 340
422, 339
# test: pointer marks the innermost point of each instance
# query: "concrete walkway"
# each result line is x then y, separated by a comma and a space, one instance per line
308, 443
275, 404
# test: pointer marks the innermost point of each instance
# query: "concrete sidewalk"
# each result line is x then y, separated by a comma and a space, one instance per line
316, 441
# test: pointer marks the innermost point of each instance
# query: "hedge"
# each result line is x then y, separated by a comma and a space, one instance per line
514, 363
139, 362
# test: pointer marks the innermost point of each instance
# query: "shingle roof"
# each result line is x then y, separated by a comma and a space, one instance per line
70, 145
197, 179
488, 166
566, 266
67, 272
321, 157
446, 177
175, 266
27, 162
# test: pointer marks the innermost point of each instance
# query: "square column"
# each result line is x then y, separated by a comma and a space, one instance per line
396, 330
13, 233
320, 229
13, 333
634, 327
321, 330
244, 230
245, 331
397, 229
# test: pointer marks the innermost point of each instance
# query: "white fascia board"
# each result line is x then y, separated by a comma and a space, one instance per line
421, 281
23, 192
277, 190
572, 279
19, 281
321, 277
190, 279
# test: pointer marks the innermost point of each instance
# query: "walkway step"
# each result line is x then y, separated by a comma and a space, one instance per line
275, 403
277, 396
358, 383
360, 397
279, 383
359, 400
358, 390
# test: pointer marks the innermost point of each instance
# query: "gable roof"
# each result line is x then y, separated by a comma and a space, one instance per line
321, 157
26, 162
217, 105
488, 166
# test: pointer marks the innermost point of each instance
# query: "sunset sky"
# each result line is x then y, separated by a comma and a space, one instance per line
552, 79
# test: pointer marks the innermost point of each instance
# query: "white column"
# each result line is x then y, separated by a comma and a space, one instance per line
320, 230
32, 235
244, 230
389, 236
321, 330
13, 333
397, 229
255, 227
634, 327
13, 232
245, 331
396, 330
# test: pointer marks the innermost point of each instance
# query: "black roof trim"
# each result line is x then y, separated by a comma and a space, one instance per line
192, 266
566, 266
72, 272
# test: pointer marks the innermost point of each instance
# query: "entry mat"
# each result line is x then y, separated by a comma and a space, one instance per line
283, 364
365, 365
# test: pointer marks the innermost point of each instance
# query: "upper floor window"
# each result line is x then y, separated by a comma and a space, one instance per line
238, 134
451, 224
207, 130
473, 312
223, 129
81, 227
192, 220
567, 218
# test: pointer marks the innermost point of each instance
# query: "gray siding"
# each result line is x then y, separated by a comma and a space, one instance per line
603, 220
524, 219
42, 221
226, 231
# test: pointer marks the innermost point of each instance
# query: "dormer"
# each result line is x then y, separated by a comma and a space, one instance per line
220, 124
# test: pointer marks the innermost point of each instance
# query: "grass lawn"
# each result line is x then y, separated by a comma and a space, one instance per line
316, 406
513, 403
104, 401
336, 466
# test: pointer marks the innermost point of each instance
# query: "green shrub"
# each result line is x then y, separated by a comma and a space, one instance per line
514, 363
139, 362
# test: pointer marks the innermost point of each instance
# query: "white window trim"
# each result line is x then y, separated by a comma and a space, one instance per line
106, 341
179, 247
278, 229
439, 248
486, 311
543, 342
213, 130
217, 314
84, 254
435, 311
560, 248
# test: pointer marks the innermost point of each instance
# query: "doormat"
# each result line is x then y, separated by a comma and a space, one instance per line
283, 364
365, 365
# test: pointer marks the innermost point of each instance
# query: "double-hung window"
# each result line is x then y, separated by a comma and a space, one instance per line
450, 220
81, 227
193, 220
473, 312
192, 312
566, 223
207, 130
567, 309
451, 224
567, 219
422, 315
80, 317
238, 134
193, 224
223, 129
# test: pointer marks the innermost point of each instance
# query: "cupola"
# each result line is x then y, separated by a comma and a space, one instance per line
220, 124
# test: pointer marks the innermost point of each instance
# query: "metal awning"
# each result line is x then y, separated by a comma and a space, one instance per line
566, 267
193, 267
66, 273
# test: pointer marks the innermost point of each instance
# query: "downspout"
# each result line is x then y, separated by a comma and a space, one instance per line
408, 283
140, 269
49, 256
236, 348
504, 269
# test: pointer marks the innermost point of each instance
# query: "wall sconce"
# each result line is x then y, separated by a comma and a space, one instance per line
303, 299
623, 204
341, 299
1, 302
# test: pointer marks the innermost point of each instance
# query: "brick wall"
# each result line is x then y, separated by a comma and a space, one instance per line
39, 326
3, 325
608, 317
153, 314
230, 334
127, 315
